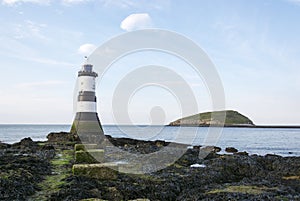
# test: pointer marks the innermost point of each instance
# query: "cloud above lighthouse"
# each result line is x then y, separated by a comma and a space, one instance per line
136, 21
86, 49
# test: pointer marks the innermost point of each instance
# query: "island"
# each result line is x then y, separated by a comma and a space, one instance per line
232, 119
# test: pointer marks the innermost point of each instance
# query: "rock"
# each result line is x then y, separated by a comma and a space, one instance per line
62, 137
208, 152
90, 156
243, 153
113, 194
231, 150
84, 147
211, 149
217, 149
4, 146
160, 143
103, 171
46, 152
197, 147
25, 143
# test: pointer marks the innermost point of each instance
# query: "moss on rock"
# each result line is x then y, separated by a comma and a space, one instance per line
84, 147
103, 171
89, 156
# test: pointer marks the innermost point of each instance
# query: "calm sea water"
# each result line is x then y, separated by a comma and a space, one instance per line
285, 142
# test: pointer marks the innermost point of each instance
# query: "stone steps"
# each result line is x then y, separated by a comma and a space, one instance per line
90, 162
103, 171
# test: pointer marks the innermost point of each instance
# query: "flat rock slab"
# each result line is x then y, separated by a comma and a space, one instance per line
103, 171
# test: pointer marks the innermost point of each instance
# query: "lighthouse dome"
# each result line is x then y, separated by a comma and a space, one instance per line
87, 68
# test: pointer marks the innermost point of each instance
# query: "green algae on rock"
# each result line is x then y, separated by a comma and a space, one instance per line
89, 156
103, 171
84, 147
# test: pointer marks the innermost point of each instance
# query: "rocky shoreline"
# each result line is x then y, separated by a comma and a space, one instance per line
42, 171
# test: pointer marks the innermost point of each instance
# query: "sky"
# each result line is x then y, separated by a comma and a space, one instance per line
254, 45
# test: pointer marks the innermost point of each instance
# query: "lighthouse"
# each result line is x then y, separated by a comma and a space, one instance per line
86, 123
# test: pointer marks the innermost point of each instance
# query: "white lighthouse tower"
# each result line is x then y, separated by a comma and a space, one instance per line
86, 123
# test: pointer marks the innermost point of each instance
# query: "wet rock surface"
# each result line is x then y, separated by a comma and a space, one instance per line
222, 177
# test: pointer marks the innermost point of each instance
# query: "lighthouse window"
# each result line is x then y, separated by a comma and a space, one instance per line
81, 83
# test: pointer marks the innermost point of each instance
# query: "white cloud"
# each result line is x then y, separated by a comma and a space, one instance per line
86, 49
136, 21
68, 2
16, 2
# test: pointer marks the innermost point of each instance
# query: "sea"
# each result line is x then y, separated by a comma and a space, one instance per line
261, 141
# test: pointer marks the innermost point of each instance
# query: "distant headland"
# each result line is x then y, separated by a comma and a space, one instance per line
215, 119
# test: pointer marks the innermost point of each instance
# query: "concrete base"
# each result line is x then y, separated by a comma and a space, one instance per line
88, 128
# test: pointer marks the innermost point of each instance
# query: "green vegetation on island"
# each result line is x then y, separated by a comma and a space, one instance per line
232, 118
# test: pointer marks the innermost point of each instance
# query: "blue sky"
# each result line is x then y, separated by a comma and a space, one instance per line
255, 46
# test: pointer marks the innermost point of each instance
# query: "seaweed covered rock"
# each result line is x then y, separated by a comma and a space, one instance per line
62, 137
23, 165
231, 150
